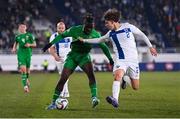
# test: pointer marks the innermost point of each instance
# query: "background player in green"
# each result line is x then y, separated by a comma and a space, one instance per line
24, 42
79, 56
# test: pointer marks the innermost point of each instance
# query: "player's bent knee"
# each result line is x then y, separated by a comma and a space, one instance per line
118, 77
135, 87
23, 70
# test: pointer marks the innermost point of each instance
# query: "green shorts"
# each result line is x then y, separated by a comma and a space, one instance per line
24, 60
75, 59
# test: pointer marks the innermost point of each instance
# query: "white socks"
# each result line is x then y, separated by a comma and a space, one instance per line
65, 91
116, 89
127, 79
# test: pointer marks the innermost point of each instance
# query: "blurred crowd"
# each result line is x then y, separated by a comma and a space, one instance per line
166, 12
132, 11
14, 12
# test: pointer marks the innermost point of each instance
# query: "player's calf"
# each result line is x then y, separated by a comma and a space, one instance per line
135, 84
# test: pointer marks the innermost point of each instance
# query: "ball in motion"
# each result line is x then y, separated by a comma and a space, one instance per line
61, 103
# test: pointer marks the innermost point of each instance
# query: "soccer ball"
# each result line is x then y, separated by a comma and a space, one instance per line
61, 103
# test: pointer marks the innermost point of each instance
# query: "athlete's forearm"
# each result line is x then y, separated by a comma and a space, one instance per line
14, 45
146, 40
144, 37
96, 40
47, 46
58, 38
52, 51
33, 45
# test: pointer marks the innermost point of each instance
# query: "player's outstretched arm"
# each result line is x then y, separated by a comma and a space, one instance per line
52, 51
139, 33
13, 50
95, 40
153, 51
68, 33
47, 46
33, 45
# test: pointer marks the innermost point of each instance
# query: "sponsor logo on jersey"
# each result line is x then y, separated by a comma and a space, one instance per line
66, 40
23, 39
117, 66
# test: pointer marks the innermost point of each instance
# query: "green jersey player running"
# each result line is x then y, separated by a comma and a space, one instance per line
79, 56
24, 42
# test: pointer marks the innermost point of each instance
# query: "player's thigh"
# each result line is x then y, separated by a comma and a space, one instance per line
119, 70
88, 69
134, 72
22, 64
84, 59
70, 63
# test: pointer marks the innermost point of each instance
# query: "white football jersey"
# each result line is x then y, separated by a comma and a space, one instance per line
63, 47
123, 40
124, 44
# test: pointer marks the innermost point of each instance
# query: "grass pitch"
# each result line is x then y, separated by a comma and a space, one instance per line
158, 96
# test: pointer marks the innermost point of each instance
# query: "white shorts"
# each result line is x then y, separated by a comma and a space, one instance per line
60, 66
130, 68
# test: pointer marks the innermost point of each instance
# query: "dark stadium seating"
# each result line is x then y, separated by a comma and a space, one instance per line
159, 19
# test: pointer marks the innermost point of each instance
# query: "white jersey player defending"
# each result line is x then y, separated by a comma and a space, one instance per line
122, 36
59, 51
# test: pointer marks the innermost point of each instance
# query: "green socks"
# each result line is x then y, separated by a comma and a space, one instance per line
56, 95
23, 79
93, 90
92, 87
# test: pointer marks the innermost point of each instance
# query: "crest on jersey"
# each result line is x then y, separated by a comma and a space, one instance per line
23, 39
117, 66
66, 40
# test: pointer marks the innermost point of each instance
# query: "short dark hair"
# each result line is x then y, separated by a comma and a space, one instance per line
112, 14
88, 18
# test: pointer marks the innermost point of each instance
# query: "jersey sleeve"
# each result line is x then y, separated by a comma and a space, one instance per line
16, 38
137, 32
104, 38
52, 37
68, 33
33, 38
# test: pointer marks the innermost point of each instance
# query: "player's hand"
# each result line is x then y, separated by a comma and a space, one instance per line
57, 58
13, 50
153, 51
47, 46
111, 62
27, 45
80, 39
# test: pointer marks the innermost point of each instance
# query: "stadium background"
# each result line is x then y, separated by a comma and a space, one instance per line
158, 19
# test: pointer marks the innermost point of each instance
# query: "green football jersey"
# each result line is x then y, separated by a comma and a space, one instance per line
75, 32
22, 39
